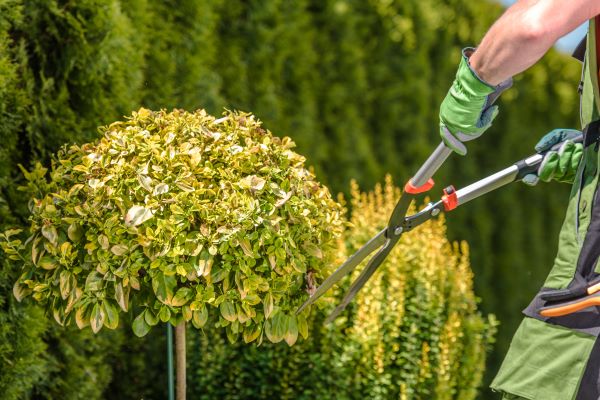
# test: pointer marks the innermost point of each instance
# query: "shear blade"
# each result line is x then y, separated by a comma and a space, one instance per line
362, 279
348, 266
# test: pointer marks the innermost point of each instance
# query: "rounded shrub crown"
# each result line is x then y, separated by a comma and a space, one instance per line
190, 213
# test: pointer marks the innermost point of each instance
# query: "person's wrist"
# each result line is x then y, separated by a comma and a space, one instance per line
480, 66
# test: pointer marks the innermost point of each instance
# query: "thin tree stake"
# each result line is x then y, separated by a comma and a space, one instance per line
170, 374
180, 359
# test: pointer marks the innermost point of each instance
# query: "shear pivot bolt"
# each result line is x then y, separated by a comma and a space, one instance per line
398, 230
435, 212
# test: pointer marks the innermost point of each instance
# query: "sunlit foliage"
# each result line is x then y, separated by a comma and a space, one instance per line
413, 332
179, 215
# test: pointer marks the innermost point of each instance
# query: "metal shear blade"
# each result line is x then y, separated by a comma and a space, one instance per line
387, 238
364, 276
382, 243
347, 267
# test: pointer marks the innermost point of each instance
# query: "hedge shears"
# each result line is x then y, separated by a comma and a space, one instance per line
399, 223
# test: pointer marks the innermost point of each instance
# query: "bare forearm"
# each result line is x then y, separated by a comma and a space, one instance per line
525, 33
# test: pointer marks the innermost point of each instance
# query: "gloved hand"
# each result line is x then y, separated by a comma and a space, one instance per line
560, 165
468, 110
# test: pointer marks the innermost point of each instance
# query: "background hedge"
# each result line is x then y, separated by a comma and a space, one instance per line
357, 84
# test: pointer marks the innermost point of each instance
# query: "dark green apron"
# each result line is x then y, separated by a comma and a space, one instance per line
559, 358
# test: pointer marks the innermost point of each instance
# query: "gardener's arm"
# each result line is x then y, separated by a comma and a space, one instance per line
525, 32
514, 43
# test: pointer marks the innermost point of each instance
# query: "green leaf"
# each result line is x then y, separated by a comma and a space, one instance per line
182, 296
49, 232
242, 317
270, 332
146, 182
65, 249
313, 250
122, 295
175, 209
72, 299
246, 247
112, 315
252, 182
103, 241
251, 333
199, 317
187, 313
228, 311
231, 335
35, 251
151, 319
95, 183
140, 327
94, 282
97, 318
119, 249
300, 267
252, 299
137, 215
303, 326
164, 314
47, 262
180, 269
276, 327
175, 319
75, 232
204, 263
65, 284
20, 291
164, 286
218, 275
59, 316
268, 305
80, 317
161, 188
134, 283
11, 232
291, 334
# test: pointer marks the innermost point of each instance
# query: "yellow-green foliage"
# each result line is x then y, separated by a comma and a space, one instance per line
183, 215
414, 318
349, 80
413, 332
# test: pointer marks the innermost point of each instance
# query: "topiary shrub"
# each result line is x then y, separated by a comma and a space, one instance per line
197, 216
413, 332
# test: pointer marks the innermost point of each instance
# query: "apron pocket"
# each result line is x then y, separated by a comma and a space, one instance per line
544, 362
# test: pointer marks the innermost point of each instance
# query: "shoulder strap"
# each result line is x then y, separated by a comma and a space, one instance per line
591, 133
580, 50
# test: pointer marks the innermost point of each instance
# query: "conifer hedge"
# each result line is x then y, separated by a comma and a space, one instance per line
355, 83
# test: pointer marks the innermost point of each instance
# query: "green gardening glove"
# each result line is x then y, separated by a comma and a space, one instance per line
468, 110
560, 165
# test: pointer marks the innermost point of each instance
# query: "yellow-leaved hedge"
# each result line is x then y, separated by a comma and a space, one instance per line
413, 332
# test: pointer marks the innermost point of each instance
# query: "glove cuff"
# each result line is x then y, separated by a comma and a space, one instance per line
468, 78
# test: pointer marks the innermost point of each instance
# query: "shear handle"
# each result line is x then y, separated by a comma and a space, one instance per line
531, 164
433, 163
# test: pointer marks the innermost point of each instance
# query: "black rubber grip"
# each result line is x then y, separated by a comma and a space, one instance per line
569, 293
526, 169
564, 294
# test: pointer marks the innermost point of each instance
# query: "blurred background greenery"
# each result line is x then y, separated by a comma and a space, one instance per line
356, 83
